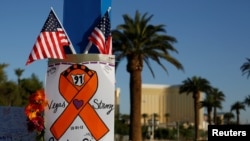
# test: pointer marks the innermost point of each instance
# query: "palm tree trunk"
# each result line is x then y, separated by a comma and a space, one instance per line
209, 116
135, 107
196, 97
215, 116
237, 117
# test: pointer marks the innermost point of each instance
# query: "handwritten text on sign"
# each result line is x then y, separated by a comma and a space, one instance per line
81, 102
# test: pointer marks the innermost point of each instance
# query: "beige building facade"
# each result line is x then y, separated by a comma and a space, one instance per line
169, 105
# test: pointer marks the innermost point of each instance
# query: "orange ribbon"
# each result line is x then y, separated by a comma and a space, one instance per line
78, 97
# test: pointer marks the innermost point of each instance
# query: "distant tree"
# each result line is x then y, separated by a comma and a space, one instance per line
125, 118
218, 97
212, 102
3, 75
29, 86
167, 115
247, 100
144, 116
17, 94
145, 126
8, 93
162, 133
19, 73
14, 95
186, 134
227, 117
208, 104
121, 126
245, 68
156, 116
8, 89
195, 86
237, 106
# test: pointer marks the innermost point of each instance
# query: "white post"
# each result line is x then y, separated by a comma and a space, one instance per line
88, 47
153, 129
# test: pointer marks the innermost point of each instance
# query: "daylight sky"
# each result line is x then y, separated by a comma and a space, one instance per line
213, 41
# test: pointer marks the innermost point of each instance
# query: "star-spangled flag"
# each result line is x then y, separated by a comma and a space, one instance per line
101, 35
50, 42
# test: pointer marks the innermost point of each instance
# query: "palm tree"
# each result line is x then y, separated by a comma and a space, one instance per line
139, 42
145, 127
195, 86
125, 118
3, 75
237, 106
228, 116
155, 118
247, 100
208, 103
218, 96
19, 73
245, 68
167, 115
144, 116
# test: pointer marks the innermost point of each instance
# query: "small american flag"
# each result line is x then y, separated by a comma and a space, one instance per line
50, 42
101, 35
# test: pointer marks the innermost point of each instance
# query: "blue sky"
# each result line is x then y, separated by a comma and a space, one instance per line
213, 41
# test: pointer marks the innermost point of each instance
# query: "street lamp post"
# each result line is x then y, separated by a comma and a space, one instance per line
178, 134
153, 129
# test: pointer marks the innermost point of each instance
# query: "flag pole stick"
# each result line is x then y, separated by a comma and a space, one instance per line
71, 46
109, 9
88, 47
90, 43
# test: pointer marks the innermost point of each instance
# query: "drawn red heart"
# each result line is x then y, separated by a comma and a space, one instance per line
78, 103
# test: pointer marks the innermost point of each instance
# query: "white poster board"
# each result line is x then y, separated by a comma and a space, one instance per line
13, 125
80, 93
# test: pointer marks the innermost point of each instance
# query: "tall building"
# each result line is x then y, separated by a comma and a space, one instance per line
168, 104
117, 101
